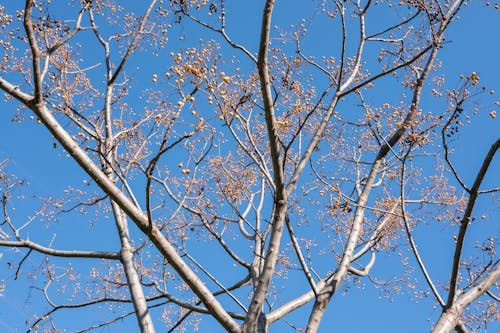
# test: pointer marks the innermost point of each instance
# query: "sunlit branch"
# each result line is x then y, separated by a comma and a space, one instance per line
303, 123
341, 9
359, 52
294, 304
319, 131
138, 298
51, 49
179, 202
461, 328
334, 281
311, 146
92, 130
451, 315
131, 129
260, 160
134, 213
60, 253
365, 270
188, 306
242, 220
104, 323
258, 209
265, 83
390, 147
202, 217
353, 201
228, 39
109, 164
376, 234
489, 191
452, 11
280, 200
285, 142
15, 92
16, 230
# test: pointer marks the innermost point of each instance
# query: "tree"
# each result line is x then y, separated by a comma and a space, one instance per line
250, 172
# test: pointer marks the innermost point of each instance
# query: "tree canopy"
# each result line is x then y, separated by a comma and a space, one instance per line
248, 166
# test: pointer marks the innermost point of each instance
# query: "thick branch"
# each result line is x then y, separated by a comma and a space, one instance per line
15, 92
271, 257
451, 316
60, 253
133, 280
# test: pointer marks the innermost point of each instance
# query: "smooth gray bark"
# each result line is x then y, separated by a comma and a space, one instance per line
451, 316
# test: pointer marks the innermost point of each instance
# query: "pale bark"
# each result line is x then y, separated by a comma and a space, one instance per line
133, 280
452, 315
256, 321
60, 253
347, 78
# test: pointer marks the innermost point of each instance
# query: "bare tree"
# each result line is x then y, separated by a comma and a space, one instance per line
245, 170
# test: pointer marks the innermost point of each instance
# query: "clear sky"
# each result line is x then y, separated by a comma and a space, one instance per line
472, 46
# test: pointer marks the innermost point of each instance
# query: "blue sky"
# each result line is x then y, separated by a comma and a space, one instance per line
472, 47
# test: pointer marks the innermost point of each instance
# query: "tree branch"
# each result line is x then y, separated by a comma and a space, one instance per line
466, 219
450, 318
280, 200
60, 253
